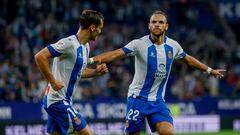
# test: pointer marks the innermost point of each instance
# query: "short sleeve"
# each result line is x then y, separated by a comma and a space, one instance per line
131, 48
180, 53
58, 48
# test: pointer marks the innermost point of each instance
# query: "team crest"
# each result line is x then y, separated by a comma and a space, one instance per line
169, 54
77, 121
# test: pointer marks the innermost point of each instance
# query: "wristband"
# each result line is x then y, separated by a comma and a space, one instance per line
209, 70
91, 61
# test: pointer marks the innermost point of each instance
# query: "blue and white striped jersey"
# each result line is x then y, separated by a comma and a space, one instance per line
152, 66
70, 60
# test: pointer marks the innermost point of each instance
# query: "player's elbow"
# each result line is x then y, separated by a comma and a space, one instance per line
38, 57
189, 60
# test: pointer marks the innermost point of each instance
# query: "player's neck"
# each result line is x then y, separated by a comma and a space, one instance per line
82, 36
158, 40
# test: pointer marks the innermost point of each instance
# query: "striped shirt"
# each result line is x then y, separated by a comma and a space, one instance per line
70, 60
152, 66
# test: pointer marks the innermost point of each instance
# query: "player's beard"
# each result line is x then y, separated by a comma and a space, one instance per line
159, 34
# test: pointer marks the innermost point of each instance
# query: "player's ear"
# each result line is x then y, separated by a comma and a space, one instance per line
92, 27
166, 27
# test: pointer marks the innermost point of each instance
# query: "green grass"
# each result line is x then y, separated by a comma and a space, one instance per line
224, 132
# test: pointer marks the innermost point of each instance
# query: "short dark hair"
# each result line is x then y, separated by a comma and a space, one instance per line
160, 12
89, 17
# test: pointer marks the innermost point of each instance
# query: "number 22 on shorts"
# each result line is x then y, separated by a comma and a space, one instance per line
132, 114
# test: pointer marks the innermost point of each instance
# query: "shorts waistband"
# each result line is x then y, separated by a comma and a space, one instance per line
144, 98
138, 97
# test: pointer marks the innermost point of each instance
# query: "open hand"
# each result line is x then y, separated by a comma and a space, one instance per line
218, 73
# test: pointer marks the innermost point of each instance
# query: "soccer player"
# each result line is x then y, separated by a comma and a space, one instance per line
154, 55
69, 65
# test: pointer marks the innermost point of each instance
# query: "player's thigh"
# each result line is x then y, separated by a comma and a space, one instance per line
84, 131
135, 116
164, 128
161, 115
53, 127
65, 120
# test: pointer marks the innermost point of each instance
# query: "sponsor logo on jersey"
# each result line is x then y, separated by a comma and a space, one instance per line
161, 72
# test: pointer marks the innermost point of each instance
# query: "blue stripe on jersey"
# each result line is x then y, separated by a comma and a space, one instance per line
151, 71
169, 60
53, 52
73, 78
126, 50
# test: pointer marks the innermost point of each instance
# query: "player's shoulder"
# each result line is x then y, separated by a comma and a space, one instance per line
171, 42
69, 39
142, 40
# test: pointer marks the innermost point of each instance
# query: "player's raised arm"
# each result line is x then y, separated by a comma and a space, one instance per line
193, 62
107, 57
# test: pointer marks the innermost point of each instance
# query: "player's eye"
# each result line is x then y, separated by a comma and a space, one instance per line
161, 22
154, 21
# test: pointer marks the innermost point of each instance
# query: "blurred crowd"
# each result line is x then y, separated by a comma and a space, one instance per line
28, 26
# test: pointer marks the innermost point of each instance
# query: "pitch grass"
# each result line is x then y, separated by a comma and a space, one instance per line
223, 132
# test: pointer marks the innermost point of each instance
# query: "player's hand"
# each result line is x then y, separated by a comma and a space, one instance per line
101, 69
57, 85
218, 73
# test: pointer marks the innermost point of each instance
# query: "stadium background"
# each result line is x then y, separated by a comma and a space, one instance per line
208, 30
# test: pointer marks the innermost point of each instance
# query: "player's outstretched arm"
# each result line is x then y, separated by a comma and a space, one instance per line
107, 57
42, 61
193, 62
100, 70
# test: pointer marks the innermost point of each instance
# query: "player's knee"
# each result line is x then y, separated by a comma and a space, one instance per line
54, 133
84, 131
166, 132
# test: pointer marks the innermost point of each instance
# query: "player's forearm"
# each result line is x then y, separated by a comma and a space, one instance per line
107, 57
193, 62
88, 73
44, 67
